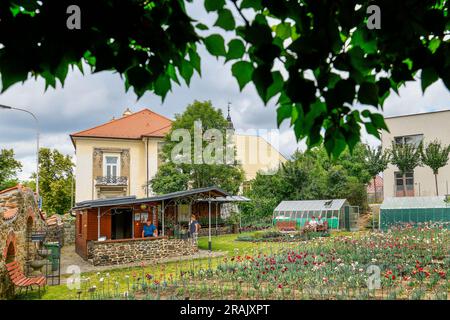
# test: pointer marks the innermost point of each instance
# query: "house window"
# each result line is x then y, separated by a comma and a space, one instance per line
414, 139
404, 180
111, 167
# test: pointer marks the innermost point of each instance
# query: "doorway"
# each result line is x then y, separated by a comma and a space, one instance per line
122, 224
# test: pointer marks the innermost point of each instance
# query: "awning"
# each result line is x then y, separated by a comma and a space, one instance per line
212, 192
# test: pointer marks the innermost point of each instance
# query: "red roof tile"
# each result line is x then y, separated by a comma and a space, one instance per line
144, 123
10, 213
18, 187
379, 184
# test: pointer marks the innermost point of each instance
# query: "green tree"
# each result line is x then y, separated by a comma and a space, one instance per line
435, 156
9, 167
203, 173
168, 179
55, 180
328, 59
377, 160
406, 157
309, 175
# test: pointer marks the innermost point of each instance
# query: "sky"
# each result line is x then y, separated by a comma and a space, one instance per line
91, 99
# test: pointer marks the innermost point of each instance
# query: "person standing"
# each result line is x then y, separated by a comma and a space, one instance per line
149, 230
194, 227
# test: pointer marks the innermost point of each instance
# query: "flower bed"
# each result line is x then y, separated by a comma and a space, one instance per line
408, 263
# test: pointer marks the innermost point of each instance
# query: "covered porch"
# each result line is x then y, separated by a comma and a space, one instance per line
118, 223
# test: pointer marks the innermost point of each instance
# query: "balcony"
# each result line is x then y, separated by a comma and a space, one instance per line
111, 181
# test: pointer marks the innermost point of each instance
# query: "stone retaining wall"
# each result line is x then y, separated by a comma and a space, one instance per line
131, 250
220, 230
17, 207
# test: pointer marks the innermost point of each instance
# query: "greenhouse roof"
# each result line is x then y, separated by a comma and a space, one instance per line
413, 203
311, 205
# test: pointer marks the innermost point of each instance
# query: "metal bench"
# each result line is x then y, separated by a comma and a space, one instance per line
21, 281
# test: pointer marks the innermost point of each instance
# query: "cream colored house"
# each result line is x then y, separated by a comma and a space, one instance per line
416, 128
118, 157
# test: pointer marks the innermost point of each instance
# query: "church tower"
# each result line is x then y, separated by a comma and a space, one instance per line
230, 123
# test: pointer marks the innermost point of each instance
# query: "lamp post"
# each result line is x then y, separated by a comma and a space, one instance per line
37, 141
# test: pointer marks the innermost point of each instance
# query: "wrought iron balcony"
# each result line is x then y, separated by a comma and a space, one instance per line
111, 181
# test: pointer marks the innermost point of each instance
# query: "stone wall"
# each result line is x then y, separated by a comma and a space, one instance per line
132, 250
17, 207
69, 229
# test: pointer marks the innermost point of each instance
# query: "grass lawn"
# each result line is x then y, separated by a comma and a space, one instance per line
113, 277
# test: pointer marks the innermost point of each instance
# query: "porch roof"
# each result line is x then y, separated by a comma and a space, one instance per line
202, 192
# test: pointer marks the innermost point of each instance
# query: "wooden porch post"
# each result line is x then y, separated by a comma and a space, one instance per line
98, 223
162, 216
209, 222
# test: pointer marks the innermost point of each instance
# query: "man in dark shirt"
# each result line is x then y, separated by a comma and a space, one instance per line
194, 226
149, 229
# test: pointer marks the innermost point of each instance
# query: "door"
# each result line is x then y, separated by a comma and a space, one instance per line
122, 224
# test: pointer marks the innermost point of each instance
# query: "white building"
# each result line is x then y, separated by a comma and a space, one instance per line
416, 128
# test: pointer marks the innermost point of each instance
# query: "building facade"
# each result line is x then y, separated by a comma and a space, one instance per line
414, 129
119, 157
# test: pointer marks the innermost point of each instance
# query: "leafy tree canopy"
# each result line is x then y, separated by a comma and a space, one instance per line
310, 175
406, 156
202, 174
435, 155
377, 160
9, 167
316, 58
55, 180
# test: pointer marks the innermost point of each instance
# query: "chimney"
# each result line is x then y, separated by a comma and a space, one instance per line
127, 112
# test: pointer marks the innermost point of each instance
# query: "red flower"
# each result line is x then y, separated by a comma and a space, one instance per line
280, 286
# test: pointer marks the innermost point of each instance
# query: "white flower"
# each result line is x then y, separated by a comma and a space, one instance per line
101, 279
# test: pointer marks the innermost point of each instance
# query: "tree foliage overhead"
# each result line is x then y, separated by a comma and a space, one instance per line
316, 58
9, 167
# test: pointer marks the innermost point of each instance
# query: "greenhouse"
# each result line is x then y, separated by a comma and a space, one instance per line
337, 212
402, 210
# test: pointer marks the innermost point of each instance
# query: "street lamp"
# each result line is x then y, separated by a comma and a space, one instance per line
37, 142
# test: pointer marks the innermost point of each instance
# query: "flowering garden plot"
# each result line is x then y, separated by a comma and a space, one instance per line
407, 263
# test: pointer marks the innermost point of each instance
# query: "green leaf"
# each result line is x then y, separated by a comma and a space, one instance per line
162, 85
236, 50
225, 20
370, 128
283, 112
194, 58
378, 121
186, 71
283, 30
242, 71
428, 77
276, 86
215, 45
214, 5
368, 94
255, 4
201, 26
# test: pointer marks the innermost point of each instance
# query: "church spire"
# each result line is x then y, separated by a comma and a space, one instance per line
230, 123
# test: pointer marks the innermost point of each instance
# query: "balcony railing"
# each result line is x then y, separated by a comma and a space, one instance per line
111, 181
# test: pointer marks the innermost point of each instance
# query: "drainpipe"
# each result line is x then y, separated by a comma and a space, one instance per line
162, 215
146, 157
98, 223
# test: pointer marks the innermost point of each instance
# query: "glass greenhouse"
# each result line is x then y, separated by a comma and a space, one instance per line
338, 213
402, 210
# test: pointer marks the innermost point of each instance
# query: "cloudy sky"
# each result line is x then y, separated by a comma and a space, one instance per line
89, 100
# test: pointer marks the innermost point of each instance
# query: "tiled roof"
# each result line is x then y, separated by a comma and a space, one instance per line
378, 182
144, 123
18, 187
10, 213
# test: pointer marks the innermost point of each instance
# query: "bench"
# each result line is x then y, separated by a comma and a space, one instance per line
21, 281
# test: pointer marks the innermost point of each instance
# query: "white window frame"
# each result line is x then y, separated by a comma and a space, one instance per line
117, 155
